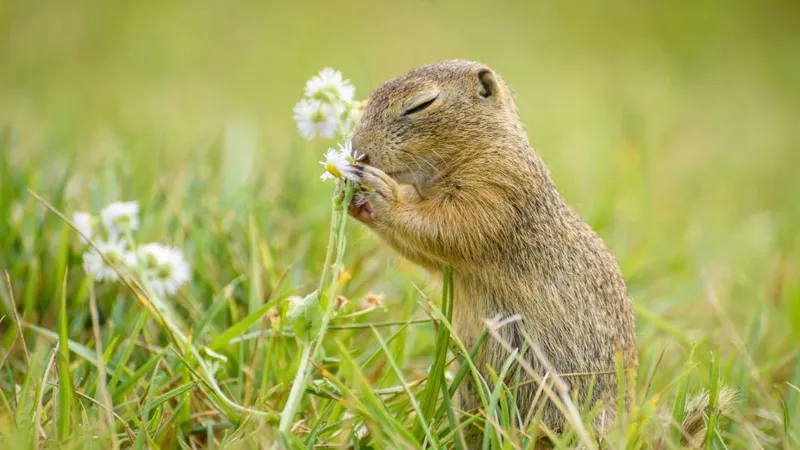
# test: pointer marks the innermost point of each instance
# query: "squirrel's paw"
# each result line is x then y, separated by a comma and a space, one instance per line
378, 192
361, 209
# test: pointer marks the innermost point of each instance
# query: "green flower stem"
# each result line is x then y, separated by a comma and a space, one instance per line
336, 205
349, 189
299, 385
311, 350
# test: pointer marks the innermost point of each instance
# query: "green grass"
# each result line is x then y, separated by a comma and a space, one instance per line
671, 130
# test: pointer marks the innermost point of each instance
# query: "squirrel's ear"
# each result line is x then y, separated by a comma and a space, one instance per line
488, 87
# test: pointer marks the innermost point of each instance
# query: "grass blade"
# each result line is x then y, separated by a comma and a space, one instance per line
238, 328
431, 392
372, 405
130, 382
488, 436
66, 392
218, 303
39, 403
155, 402
451, 417
679, 408
411, 397
787, 426
713, 396
79, 349
462, 371
126, 354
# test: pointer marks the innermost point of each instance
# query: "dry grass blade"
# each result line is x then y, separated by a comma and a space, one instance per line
39, 406
128, 429
102, 389
655, 370
17, 322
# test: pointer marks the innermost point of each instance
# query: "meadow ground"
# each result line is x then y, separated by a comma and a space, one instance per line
672, 129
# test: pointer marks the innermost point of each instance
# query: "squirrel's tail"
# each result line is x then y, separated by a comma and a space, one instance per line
693, 428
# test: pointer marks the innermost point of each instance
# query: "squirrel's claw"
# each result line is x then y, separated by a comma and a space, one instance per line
377, 195
375, 182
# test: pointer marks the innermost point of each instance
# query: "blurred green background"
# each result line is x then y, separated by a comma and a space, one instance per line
676, 122
671, 126
696, 88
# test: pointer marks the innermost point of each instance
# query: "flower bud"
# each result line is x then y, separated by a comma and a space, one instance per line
306, 316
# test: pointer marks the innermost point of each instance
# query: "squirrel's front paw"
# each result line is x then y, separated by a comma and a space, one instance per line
361, 209
378, 193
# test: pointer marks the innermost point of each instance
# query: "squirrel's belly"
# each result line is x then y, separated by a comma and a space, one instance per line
564, 343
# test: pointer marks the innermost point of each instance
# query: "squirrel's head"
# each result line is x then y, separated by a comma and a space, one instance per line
435, 115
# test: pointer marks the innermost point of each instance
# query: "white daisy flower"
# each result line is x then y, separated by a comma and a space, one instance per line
83, 221
314, 117
354, 115
330, 86
119, 217
355, 110
350, 118
117, 254
338, 163
164, 268
346, 148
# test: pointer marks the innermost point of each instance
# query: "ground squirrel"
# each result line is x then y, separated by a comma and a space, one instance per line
451, 179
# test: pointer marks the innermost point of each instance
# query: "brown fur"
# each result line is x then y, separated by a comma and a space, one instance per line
458, 184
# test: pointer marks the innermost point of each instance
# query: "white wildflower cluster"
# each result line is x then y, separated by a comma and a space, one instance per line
163, 269
328, 107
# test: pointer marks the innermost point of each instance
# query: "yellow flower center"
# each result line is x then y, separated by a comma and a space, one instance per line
151, 261
164, 271
113, 256
318, 116
333, 170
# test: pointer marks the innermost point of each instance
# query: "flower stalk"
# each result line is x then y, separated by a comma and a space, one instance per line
328, 109
312, 350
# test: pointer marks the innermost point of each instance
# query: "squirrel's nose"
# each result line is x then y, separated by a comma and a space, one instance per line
357, 142
363, 158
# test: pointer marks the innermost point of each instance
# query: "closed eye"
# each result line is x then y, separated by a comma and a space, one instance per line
420, 106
